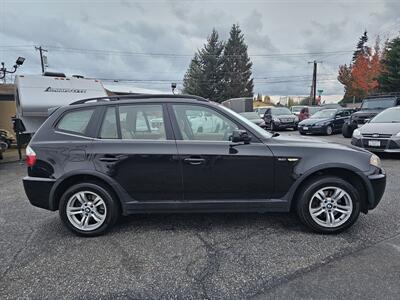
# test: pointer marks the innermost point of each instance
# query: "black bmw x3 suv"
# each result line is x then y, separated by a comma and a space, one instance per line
96, 159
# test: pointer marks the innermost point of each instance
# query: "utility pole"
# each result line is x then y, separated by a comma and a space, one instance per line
41, 50
313, 93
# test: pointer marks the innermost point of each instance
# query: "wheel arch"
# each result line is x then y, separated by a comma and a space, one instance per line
347, 174
69, 179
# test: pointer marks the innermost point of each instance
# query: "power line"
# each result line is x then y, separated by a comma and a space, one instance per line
164, 54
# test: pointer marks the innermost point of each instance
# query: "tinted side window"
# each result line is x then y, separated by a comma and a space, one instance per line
142, 121
201, 123
109, 125
76, 121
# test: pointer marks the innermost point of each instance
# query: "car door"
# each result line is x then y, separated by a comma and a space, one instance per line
339, 120
135, 146
214, 168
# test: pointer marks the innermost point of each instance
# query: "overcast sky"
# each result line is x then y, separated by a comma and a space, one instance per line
129, 39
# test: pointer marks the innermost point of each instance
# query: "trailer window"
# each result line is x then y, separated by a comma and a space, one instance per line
76, 121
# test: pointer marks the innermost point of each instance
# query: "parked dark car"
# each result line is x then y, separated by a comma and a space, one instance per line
94, 160
370, 107
255, 118
381, 134
277, 118
326, 121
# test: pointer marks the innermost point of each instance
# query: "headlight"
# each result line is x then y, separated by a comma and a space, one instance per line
375, 161
275, 119
356, 134
398, 134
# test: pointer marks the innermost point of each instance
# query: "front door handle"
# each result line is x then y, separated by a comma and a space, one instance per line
109, 158
194, 161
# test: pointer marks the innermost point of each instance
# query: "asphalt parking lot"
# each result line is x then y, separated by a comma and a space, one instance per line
197, 256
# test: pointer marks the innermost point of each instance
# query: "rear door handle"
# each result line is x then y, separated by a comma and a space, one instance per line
194, 160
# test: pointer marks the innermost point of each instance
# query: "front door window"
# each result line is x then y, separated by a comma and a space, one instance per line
203, 124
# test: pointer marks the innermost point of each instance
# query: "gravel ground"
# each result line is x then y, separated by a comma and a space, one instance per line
191, 256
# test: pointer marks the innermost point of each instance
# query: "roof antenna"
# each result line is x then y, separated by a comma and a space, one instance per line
173, 87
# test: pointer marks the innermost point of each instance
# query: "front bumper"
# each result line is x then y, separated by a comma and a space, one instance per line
312, 129
376, 185
281, 125
391, 145
38, 190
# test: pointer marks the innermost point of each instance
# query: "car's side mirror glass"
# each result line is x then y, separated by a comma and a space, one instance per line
240, 136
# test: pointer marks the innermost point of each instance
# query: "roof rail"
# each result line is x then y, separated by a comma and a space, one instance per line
133, 97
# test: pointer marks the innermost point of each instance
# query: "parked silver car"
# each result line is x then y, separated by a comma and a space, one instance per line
381, 134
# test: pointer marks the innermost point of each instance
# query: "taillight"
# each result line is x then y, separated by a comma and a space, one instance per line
30, 157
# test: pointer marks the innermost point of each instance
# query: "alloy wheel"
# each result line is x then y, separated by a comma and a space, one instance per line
330, 207
86, 210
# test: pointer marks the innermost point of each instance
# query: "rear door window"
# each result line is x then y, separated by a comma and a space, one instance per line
142, 121
76, 121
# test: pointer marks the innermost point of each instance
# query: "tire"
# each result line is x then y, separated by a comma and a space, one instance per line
95, 202
347, 130
329, 130
302, 133
349, 202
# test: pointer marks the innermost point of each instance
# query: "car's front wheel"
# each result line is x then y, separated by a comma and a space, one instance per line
329, 130
88, 209
328, 205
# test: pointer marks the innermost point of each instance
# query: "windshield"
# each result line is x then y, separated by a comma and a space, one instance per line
262, 110
297, 108
250, 124
250, 115
387, 116
277, 111
324, 114
313, 110
378, 103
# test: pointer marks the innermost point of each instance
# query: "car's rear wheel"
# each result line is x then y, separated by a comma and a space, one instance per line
88, 209
328, 205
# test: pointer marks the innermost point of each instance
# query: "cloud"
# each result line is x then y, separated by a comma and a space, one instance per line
181, 27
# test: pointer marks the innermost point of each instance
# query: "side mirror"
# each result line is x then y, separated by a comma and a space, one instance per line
367, 120
240, 136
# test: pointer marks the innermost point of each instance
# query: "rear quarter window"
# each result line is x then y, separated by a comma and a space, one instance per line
75, 121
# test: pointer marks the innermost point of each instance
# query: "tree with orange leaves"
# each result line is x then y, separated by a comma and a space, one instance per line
360, 77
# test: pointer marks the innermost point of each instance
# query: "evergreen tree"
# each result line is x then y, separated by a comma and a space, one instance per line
362, 49
204, 76
211, 60
236, 67
389, 80
193, 76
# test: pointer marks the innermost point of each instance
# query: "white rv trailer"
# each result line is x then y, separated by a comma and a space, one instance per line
36, 94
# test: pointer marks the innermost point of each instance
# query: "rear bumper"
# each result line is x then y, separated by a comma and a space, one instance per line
38, 190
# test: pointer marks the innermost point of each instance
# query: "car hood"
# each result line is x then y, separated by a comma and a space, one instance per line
311, 121
256, 121
367, 112
285, 117
381, 128
311, 142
